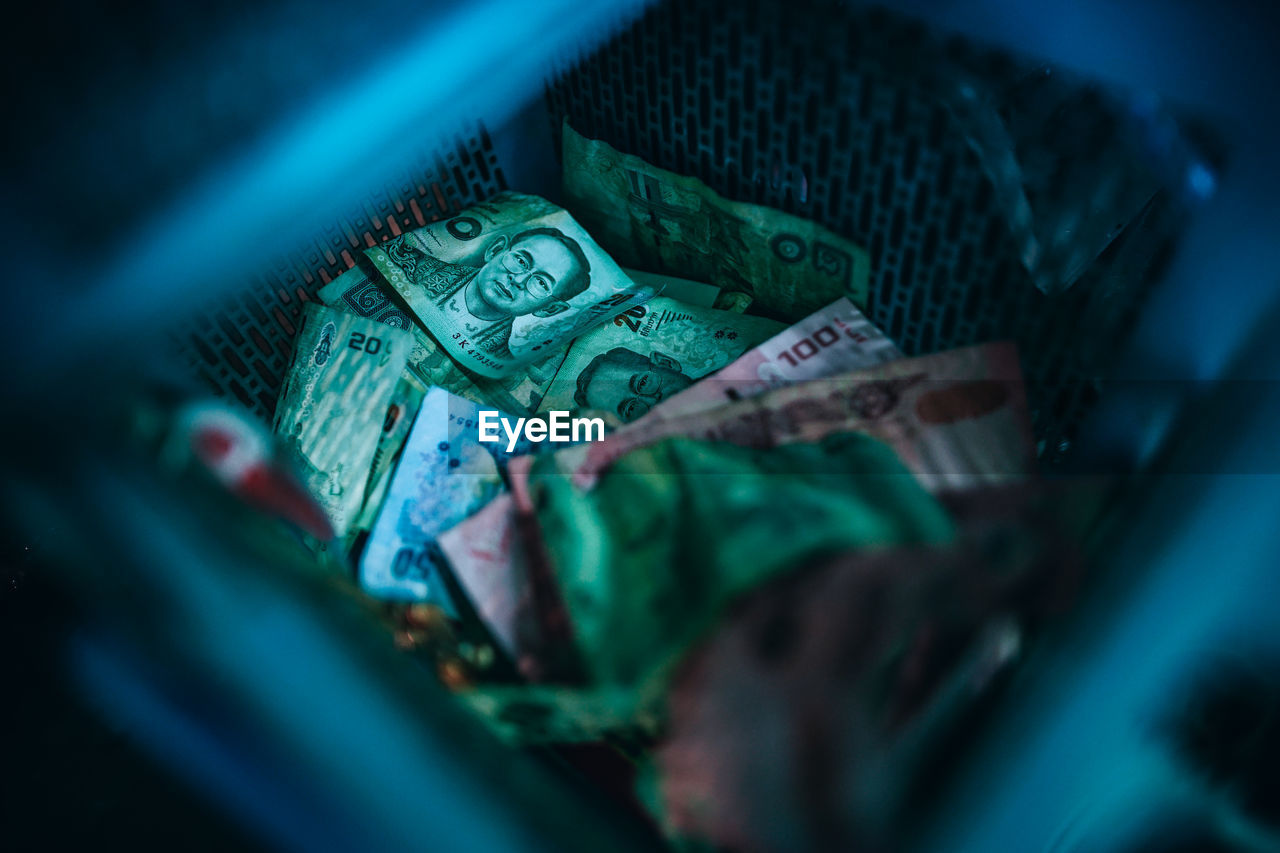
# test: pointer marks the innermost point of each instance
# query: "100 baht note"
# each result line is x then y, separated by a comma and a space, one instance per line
444, 475
506, 282
369, 296
957, 419
334, 403
647, 354
833, 340
652, 219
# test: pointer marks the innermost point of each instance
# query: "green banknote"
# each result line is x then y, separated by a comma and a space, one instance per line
672, 532
334, 404
506, 283
737, 301
363, 294
656, 220
539, 713
368, 295
682, 289
521, 393
622, 369
405, 402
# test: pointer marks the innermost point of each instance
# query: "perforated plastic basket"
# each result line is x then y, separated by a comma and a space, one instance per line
999, 196
855, 119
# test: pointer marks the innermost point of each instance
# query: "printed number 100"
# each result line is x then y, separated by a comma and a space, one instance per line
807, 348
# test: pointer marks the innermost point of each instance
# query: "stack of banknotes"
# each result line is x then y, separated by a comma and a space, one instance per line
779, 553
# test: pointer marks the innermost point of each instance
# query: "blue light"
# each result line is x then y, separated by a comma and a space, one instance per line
1201, 181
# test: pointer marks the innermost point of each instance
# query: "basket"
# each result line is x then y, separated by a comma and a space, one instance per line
959, 167
823, 113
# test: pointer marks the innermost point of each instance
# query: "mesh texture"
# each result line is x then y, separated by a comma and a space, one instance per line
241, 347
847, 116
861, 120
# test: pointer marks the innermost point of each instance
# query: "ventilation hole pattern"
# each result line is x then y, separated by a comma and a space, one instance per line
823, 111
242, 346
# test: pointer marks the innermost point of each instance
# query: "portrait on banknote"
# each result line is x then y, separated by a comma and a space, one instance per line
534, 272
505, 283
629, 383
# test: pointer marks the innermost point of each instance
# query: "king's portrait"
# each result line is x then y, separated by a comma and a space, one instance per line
534, 272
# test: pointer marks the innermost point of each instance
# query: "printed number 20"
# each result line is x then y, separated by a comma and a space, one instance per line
360, 343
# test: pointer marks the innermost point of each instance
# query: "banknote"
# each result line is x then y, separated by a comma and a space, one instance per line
958, 419
367, 294
955, 440
623, 638
444, 475
334, 403
522, 392
832, 340
736, 301
652, 219
491, 565
405, 401
648, 353
364, 294
506, 282
681, 289
539, 714
648, 559
507, 579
